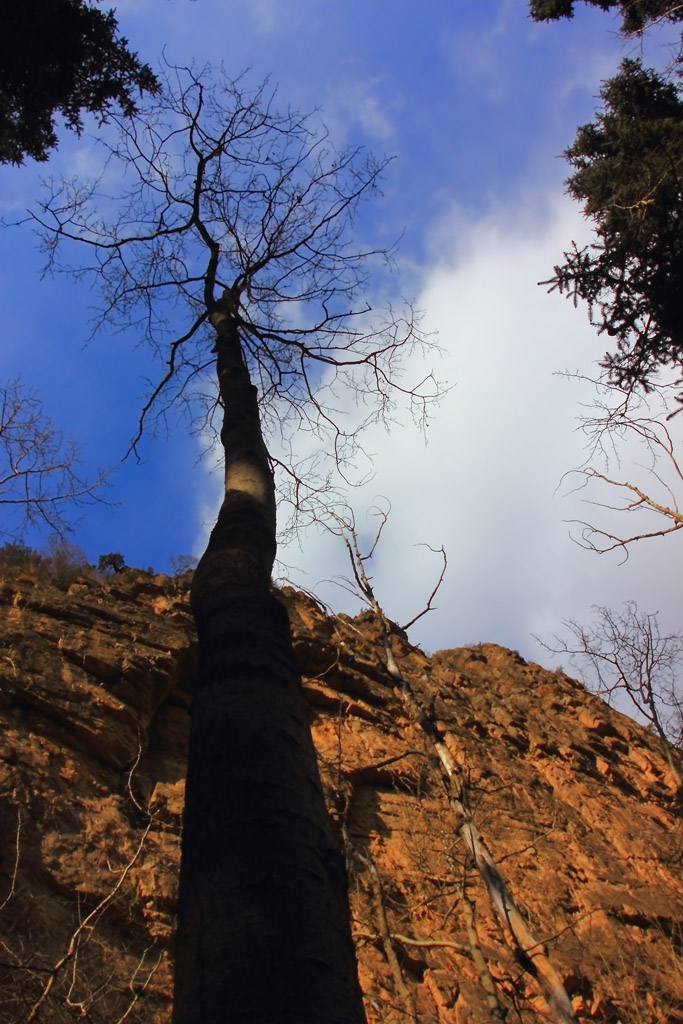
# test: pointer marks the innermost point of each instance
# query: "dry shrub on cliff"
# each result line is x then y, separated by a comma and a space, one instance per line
65, 562
16, 555
59, 563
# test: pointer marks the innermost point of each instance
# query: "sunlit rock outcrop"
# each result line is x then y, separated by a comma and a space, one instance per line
575, 803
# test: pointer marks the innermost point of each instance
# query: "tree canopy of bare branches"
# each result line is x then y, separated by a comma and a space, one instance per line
40, 479
225, 200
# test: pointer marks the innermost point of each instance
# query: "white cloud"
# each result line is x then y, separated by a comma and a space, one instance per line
475, 53
360, 102
265, 14
484, 486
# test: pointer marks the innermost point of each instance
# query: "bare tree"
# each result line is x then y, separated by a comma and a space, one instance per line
627, 654
40, 479
229, 248
620, 421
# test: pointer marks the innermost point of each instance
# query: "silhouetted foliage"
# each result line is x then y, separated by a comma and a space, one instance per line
65, 562
628, 169
129, 575
61, 56
182, 564
17, 555
111, 563
636, 14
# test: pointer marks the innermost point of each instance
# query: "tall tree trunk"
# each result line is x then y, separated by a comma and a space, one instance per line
263, 920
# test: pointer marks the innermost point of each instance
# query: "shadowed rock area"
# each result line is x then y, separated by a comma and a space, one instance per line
574, 801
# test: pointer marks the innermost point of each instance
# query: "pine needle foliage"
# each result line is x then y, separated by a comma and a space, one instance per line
61, 57
636, 15
628, 172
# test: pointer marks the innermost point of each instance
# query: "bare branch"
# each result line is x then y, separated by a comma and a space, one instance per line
85, 925
528, 949
627, 654
40, 482
365, 857
136, 987
17, 852
428, 607
619, 424
232, 208
343, 524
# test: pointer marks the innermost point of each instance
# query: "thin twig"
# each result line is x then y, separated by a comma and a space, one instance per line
85, 924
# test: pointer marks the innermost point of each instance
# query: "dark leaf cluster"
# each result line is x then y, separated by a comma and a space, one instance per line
61, 56
636, 15
628, 169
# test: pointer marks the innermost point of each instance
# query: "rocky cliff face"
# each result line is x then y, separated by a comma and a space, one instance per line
574, 802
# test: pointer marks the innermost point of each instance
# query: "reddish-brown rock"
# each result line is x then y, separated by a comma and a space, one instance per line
574, 801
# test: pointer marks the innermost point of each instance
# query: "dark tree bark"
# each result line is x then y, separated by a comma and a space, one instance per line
258, 850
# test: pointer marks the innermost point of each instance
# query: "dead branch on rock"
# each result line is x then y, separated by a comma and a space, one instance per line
84, 927
529, 952
137, 989
129, 779
365, 857
485, 980
345, 527
17, 850
102, 985
432, 943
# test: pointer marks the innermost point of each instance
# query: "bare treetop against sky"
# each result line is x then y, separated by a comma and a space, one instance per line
477, 103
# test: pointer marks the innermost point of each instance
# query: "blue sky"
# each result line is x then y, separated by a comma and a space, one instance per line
476, 103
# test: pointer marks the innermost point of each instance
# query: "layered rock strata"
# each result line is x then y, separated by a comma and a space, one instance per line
574, 801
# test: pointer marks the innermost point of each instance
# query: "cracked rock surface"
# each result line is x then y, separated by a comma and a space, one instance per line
574, 801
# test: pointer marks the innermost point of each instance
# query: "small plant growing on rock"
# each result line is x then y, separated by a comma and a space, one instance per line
110, 564
64, 562
16, 554
182, 564
59, 562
